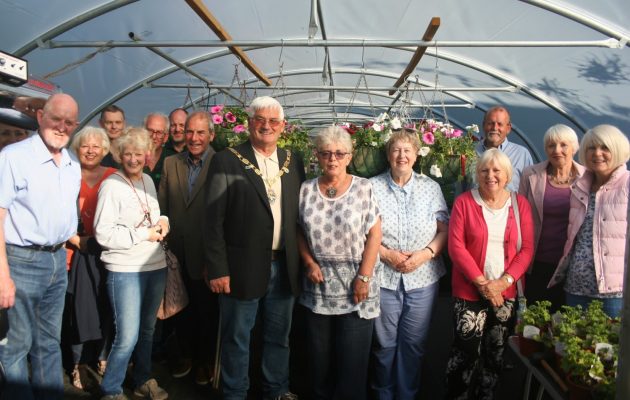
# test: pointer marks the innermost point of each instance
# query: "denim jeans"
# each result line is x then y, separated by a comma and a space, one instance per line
237, 320
338, 355
401, 331
40, 279
135, 298
612, 306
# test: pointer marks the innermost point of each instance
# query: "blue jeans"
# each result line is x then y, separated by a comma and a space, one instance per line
338, 355
40, 279
237, 320
135, 298
612, 306
401, 331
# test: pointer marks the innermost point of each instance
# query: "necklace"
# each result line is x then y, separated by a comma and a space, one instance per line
143, 206
557, 181
271, 194
331, 191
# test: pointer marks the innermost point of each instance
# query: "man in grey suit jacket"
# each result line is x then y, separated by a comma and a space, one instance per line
182, 199
250, 232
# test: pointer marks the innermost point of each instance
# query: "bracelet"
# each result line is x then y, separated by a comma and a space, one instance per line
431, 250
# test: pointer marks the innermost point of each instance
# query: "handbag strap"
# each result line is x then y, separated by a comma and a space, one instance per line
519, 241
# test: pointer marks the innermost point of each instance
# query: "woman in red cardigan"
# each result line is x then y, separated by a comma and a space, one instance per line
482, 243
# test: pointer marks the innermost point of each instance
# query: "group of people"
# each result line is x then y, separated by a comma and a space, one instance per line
361, 256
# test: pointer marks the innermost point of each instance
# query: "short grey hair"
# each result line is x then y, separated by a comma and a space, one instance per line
159, 115
562, 133
136, 137
405, 137
200, 114
497, 157
610, 137
333, 135
264, 102
90, 132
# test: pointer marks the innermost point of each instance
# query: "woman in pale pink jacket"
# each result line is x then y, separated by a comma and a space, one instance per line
592, 265
547, 186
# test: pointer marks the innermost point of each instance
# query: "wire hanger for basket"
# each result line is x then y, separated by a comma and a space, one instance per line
236, 80
280, 87
356, 88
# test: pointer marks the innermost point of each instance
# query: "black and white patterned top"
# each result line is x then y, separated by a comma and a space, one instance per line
336, 231
581, 278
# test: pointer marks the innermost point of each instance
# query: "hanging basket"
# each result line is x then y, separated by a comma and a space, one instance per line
456, 175
368, 162
220, 141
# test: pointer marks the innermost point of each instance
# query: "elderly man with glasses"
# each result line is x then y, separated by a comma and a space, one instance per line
251, 249
39, 186
157, 124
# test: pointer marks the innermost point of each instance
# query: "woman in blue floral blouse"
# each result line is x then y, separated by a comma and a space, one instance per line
414, 223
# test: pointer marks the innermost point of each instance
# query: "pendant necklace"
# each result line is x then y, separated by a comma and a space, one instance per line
331, 192
271, 194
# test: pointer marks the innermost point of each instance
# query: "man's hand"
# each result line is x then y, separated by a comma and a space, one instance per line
79, 242
220, 285
7, 292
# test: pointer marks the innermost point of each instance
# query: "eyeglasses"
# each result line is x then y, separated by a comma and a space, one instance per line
68, 124
156, 132
260, 121
328, 154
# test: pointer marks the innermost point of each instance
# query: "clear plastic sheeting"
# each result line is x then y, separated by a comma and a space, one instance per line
579, 85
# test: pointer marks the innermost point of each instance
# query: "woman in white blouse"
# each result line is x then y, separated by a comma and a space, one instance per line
414, 223
339, 240
129, 227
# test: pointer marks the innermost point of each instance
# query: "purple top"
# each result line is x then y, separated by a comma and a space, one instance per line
553, 234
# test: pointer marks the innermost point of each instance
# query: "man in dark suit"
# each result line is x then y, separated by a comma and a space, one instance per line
251, 249
182, 199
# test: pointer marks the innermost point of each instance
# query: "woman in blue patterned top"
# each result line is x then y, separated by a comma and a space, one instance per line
339, 241
414, 222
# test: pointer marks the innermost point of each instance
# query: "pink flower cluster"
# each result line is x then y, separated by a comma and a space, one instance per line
226, 118
428, 129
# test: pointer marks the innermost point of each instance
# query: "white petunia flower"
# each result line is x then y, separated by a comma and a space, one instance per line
424, 151
435, 171
374, 144
396, 124
387, 135
381, 118
377, 127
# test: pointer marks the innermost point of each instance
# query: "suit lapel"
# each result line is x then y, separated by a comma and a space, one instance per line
202, 176
181, 170
247, 152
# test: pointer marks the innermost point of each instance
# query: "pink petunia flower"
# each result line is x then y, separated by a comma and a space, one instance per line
428, 138
216, 109
239, 128
229, 117
217, 119
457, 133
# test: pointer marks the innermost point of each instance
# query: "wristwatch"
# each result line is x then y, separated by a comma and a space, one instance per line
364, 278
509, 279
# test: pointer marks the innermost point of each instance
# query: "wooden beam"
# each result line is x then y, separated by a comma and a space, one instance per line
213, 23
428, 36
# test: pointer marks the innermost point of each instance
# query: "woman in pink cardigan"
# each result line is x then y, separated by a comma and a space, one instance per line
548, 186
592, 265
487, 262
